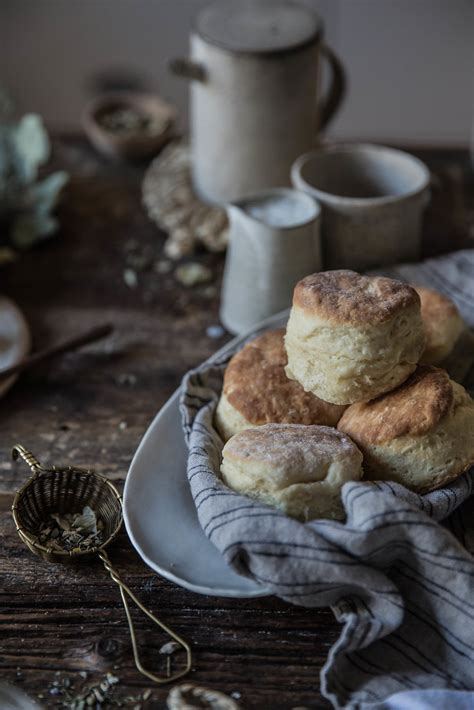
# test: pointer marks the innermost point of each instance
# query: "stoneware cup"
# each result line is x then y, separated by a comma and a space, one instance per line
273, 243
372, 200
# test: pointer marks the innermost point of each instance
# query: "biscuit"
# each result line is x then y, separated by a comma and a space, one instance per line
257, 391
298, 469
350, 337
420, 435
442, 323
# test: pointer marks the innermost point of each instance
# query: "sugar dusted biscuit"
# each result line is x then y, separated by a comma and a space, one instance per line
298, 469
350, 337
257, 391
420, 434
442, 323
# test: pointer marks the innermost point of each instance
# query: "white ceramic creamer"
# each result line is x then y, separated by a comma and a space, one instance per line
254, 68
273, 243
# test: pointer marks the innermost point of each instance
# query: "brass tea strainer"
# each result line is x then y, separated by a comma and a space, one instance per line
52, 491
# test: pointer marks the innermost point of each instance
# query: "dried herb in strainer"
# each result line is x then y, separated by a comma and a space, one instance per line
72, 532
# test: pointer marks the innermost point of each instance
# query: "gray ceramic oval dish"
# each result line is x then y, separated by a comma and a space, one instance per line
159, 512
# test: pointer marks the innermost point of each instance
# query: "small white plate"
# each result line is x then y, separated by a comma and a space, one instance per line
159, 512
15, 339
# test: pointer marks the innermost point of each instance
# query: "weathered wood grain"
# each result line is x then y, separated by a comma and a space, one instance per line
84, 408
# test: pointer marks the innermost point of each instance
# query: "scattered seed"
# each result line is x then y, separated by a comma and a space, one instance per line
130, 278
146, 694
129, 121
126, 379
209, 291
162, 266
170, 647
215, 331
193, 273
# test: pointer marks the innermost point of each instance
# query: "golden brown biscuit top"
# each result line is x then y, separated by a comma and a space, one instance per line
256, 385
348, 297
285, 444
434, 305
435, 309
413, 409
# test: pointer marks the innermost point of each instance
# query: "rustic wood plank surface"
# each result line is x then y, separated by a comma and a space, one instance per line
92, 408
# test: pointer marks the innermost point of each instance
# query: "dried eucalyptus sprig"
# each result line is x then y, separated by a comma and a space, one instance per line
72, 532
26, 203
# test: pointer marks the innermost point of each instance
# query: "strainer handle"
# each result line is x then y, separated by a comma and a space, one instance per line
20, 451
126, 591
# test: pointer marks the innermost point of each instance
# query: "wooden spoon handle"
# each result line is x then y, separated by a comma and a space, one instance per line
78, 341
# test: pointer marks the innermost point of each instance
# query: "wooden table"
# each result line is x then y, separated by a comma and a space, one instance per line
92, 408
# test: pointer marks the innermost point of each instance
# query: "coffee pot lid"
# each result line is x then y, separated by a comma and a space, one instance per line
258, 26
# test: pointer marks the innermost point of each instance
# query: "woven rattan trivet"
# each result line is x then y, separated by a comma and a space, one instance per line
171, 202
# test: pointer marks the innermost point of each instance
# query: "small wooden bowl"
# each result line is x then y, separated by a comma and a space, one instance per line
128, 145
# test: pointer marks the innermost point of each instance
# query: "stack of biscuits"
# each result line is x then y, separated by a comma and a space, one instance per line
349, 390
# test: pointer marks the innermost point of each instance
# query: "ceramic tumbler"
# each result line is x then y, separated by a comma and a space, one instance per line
273, 243
372, 202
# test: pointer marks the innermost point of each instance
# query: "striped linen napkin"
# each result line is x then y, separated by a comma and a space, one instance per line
400, 583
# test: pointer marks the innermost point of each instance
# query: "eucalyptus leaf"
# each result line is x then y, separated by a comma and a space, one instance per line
26, 204
85, 522
46, 225
46, 192
31, 146
23, 232
28, 228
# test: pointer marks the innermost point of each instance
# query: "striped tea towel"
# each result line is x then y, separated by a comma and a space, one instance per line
401, 584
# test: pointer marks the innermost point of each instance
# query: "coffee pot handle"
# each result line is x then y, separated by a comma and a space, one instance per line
337, 90
187, 68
